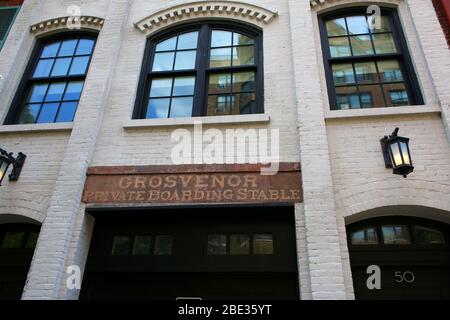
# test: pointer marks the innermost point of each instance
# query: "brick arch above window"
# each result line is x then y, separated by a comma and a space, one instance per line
75, 23
206, 9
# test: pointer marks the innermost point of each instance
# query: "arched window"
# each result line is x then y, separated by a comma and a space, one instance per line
204, 69
367, 61
53, 82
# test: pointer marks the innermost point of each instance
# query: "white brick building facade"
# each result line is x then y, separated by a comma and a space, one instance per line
344, 178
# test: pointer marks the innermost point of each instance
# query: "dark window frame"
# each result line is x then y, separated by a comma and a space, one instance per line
27, 80
17, 9
202, 70
403, 56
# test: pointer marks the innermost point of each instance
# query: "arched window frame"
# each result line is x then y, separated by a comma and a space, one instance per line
202, 70
406, 65
27, 78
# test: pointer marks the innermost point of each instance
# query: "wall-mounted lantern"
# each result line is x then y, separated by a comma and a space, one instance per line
6, 159
396, 153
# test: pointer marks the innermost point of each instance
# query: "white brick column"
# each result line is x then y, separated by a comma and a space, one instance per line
48, 266
320, 224
436, 52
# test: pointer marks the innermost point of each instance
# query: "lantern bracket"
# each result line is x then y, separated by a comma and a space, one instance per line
17, 163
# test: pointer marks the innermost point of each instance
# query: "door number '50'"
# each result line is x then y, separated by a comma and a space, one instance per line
404, 276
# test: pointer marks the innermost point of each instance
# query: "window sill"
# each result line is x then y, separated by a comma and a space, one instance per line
380, 112
235, 119
17, 128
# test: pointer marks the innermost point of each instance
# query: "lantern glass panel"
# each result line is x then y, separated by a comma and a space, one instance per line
396, 154
405, 152
4, 164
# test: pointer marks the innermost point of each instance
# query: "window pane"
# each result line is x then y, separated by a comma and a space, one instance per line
262, 244
373, 96
242, 103
185, 60
364, 236
31, 240
79, 65
396, 94
183, 86
220, 57
361, 45
73, 91
50, 50
219, 105
55, 92
121, 246
396, 234
243, 55
217, 244
67, 48
219, 83
366, 72
85, 46
243, 81
343, 73
220, 38
336, 27
384, 43
425, 235
38, 93
187, 41
163, 245
339, 47
158, 108
43, 68
357, 25
240, 39
181, 107
384, 24
48, 113
29, 113
347, 98
239, 244
67, 112
167, 45
163, 61
161, 87
390, 71
142, 245
61, 66
247, 103
13, 239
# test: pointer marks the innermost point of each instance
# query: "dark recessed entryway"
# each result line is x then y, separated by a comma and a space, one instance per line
207, 253
413, 255
17, 243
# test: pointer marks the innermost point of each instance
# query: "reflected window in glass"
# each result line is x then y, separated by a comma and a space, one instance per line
396, 234
366, 236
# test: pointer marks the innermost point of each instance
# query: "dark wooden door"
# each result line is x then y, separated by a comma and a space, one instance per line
413, 256
216, 253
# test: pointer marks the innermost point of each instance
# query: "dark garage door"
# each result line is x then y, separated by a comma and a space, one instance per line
209, 253
413, 256
17, 243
